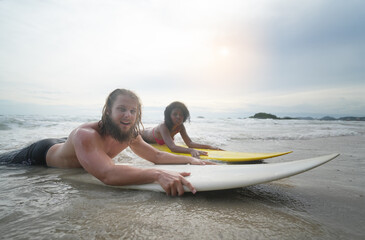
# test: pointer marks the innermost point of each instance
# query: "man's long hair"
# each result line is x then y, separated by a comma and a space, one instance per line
107, 109
168, 122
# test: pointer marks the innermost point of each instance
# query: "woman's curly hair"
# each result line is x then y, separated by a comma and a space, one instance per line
169, 109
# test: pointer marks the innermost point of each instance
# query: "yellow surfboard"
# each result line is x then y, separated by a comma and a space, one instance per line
226, 156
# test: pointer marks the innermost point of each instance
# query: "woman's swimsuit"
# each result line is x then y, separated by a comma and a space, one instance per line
159, 141
34, 154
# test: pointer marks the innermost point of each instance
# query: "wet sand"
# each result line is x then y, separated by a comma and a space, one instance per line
334, 193
324, 203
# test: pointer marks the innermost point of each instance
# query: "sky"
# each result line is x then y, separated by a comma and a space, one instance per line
289, 58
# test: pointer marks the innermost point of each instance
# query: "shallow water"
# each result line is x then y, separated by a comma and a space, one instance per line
324, 203
39, 204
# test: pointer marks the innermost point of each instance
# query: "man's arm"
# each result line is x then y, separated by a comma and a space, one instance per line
91, 155
146, 151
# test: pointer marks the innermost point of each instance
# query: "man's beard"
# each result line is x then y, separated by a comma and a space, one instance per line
115, 132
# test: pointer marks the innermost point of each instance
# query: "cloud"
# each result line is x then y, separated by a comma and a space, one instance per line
316, 43
336, 101
75, 53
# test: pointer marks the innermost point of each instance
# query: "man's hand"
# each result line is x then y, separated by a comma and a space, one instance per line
173, 182
195, 161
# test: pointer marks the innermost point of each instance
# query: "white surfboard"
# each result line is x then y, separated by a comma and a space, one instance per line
220, 177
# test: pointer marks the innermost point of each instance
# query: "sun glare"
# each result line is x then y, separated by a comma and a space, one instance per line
224, 51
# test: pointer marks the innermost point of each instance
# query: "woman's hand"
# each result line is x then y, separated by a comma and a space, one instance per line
216, 148
196, 153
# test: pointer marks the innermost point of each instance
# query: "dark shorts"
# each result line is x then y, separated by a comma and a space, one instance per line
34, 154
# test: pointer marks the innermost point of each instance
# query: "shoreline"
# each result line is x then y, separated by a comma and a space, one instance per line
334, 193
323, 203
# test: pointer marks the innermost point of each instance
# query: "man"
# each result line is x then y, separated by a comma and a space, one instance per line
94, 145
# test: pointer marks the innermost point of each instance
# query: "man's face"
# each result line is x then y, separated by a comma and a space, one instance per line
122, 117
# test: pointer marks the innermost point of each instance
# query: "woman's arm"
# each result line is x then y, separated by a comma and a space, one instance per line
166, 136
192, 144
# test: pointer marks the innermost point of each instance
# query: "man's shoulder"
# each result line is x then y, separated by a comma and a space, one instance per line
86, 130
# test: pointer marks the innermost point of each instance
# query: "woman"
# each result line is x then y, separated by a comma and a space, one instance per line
175, 115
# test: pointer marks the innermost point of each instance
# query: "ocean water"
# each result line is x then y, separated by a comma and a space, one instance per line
324, 203
17, 130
